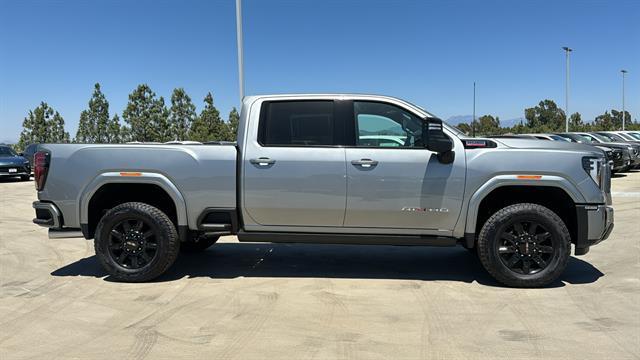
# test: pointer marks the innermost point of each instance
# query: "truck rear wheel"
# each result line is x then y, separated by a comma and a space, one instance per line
524, 245
136, 242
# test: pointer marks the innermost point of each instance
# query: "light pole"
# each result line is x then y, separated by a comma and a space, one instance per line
473, 122
240, 52
567, 50
624, 72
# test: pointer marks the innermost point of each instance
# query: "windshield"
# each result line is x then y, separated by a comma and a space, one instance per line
6, 151
599, 137
635, 135
558, 138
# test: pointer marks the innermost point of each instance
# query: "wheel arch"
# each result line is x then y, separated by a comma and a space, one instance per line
126, 181
554, 192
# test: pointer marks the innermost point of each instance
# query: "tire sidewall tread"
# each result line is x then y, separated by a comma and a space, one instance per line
491, 262
167, 238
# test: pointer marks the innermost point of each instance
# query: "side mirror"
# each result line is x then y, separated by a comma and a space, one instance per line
437, 141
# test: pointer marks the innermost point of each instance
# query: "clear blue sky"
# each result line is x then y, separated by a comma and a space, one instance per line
428, 52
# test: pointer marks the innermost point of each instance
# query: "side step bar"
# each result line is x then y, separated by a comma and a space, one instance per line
65, 233
346, 239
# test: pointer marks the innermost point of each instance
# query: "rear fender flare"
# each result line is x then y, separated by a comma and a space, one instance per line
140, 178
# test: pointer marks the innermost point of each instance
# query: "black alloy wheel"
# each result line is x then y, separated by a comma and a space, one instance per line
136, 242
525, 247
132, 243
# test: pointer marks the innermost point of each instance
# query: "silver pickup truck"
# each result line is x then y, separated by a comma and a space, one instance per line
331, 168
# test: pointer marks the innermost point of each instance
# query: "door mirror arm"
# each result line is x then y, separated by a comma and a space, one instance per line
437, 141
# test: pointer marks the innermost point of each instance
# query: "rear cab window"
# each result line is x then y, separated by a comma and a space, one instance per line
298, 124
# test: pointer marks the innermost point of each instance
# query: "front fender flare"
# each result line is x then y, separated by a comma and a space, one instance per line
514, 180
143, 178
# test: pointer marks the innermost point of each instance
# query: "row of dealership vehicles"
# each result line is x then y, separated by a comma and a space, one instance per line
621, 148
321, 168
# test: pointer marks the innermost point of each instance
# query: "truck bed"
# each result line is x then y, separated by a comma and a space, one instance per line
203, 174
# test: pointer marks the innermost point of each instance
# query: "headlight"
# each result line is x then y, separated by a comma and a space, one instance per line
592, 165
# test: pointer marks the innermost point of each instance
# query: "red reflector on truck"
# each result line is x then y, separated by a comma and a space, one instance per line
130, 174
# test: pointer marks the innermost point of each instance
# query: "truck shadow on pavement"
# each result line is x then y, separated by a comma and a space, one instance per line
233, 260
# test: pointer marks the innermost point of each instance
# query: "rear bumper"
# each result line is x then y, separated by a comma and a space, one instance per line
594, 224
47, 215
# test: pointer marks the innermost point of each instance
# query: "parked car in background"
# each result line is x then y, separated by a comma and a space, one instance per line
552, 137
28, 153
619, 136
634, 148
12, 164
619, 157
513, 136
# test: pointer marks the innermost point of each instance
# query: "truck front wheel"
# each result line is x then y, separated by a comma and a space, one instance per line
524, 245
136, 242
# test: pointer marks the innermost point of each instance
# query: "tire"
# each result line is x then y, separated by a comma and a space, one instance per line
198, 245
25, 177
509, 241
131, 252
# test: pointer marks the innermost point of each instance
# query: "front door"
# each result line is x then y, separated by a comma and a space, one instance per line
294, 175
392, 180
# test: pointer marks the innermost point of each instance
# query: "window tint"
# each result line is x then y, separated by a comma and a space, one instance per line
297, 123
385, 125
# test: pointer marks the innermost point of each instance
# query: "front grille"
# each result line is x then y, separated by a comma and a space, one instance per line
4, 169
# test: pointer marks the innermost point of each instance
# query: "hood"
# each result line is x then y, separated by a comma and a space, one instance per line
518, 143
12, 160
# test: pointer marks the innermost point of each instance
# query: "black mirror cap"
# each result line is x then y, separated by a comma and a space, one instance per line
437, 141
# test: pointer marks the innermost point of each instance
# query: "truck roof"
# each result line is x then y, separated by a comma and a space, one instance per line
346, 96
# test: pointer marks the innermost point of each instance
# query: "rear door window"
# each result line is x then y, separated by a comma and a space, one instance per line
297, 123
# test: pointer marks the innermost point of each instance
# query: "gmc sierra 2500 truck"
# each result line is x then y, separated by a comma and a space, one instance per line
332, 168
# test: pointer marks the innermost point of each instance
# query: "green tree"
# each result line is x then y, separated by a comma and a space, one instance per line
113, 130
465, 128
182, 114
575, 122
488, 125
232, 125
99, 115
208, 126
85, 130
146, 115
42, 125
57, 132
93, 126
545, 117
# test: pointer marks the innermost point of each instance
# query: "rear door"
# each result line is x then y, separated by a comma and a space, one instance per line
294, 166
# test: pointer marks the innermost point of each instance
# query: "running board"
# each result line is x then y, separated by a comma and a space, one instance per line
346, 239
65, 233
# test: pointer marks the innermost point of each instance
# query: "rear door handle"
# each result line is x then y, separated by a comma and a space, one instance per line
263, 161
365, 163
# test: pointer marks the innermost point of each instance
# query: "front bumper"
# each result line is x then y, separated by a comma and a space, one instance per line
594, 224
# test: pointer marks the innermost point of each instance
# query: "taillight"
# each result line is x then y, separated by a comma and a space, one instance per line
41, 168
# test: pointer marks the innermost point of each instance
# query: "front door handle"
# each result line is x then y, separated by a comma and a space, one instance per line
365, 163
263, 161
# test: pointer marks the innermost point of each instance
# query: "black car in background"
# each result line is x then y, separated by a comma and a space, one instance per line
12, 164
29, 151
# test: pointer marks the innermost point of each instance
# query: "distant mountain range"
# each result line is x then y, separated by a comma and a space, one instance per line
455, 120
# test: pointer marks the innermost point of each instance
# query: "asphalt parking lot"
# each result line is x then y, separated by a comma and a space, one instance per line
254, 301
